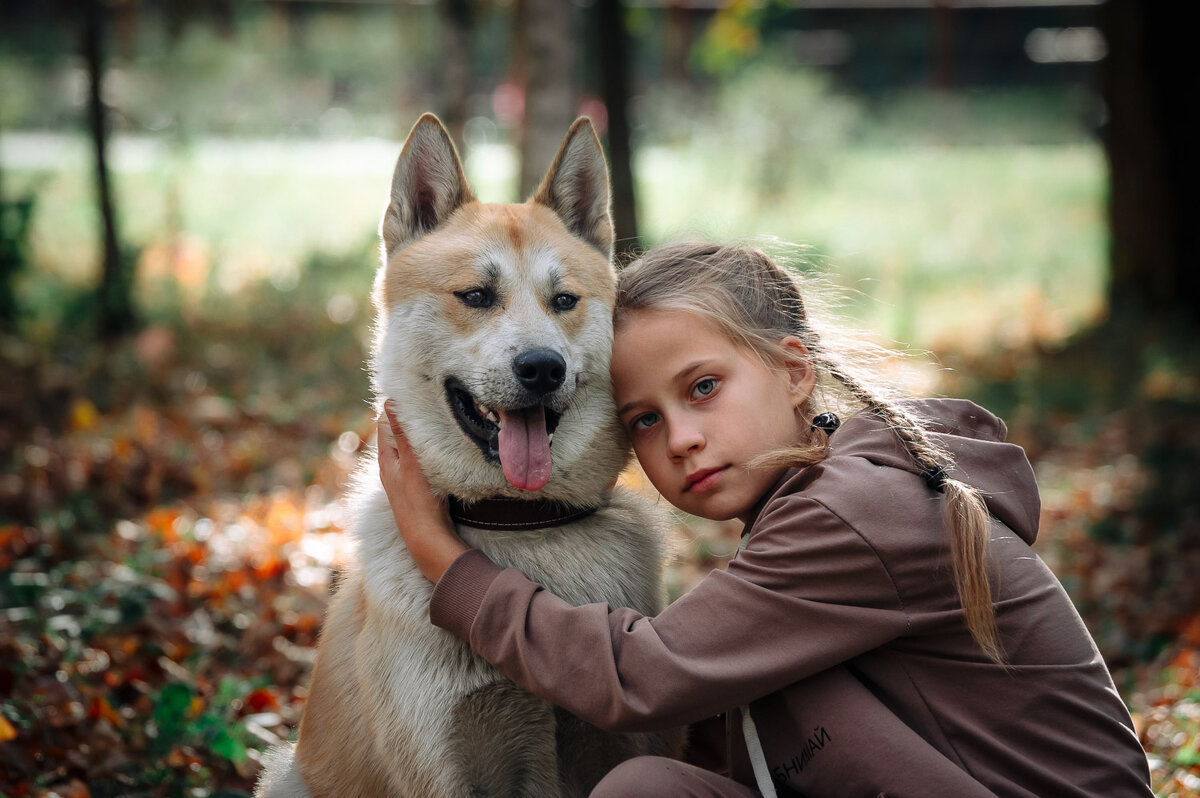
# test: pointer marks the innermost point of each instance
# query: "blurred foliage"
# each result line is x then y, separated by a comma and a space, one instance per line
795, 143
731, 37
168, 521
159, 658
994, 117
277, 71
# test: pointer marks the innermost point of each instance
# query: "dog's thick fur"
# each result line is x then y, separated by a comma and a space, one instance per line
466, 292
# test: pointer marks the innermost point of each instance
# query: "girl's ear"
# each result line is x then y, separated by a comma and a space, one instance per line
802, 374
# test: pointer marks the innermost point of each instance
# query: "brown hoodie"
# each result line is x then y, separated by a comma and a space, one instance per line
846, 563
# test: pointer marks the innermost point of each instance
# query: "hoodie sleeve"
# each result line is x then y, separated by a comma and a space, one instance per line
806, 593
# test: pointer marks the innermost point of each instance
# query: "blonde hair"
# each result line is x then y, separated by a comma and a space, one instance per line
757, 304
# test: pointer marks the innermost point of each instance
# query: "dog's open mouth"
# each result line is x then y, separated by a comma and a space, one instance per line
517, 439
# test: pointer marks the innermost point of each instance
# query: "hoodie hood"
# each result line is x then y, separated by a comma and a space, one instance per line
1000, 471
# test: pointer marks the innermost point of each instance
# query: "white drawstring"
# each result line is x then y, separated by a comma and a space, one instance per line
758, 760
762, 774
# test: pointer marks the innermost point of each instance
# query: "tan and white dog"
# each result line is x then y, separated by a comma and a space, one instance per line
493, 338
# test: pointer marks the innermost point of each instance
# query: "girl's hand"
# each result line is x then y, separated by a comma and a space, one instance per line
423, 520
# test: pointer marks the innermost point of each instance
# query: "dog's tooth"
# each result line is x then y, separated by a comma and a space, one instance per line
550, 438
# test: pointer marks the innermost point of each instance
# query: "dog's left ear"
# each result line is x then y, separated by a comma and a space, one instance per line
427, 186
576, 187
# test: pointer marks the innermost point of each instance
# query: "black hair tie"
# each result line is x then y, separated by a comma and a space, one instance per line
827, 422
935, 477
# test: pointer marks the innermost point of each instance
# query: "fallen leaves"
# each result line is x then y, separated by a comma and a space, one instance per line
168, 656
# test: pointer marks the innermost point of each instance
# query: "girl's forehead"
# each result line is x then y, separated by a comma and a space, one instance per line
657, 344
666, 328
650, 342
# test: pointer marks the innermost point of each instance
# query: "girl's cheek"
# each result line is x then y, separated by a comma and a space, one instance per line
642, 448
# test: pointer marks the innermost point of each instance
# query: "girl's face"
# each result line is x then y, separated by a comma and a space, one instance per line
699, 408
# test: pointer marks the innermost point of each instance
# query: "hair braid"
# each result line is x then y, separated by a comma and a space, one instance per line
965, 515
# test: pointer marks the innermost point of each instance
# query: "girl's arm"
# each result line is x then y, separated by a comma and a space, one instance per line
806, 594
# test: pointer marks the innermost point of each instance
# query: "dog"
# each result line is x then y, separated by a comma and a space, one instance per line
493, 333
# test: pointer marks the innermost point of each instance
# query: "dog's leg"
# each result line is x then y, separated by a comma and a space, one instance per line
334, 752
504, 744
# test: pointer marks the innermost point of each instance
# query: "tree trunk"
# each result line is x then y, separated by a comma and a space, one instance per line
1153, 201
548, 39
943, 45
15, 217
114, 299
614, 65
456, 78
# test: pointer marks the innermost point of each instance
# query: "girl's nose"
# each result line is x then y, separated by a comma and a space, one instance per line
684, 439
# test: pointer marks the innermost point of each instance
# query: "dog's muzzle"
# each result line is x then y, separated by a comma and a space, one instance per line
518, 438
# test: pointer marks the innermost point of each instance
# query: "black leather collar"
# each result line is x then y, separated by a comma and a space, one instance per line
516, 514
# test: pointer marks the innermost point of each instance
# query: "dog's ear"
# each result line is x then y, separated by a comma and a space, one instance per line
576, 187
427, 186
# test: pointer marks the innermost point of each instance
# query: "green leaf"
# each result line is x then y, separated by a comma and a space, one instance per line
173, 701
171, 713
229, 747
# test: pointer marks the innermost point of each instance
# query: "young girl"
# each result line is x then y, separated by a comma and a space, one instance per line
885, 593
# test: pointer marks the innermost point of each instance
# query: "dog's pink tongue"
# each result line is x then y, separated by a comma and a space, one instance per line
525, 448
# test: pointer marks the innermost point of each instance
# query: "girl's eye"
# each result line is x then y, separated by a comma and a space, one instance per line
564, 301
704, 388
477, 297
643, 422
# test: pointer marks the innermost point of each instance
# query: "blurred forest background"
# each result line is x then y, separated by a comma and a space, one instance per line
1001, 190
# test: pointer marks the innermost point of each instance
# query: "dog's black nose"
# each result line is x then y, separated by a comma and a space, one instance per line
540, 370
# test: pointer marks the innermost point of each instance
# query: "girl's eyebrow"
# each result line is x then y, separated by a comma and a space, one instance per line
682, 375
625, 408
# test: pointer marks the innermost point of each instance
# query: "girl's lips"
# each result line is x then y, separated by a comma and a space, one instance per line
702, 480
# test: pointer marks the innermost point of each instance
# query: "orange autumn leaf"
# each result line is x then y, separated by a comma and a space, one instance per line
122, 448
7, 732
1184, 658
163, 521
284, 521
1191, 630
101, 709
268, 568
146, 424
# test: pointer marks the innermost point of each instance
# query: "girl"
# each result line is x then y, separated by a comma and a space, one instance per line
885, 592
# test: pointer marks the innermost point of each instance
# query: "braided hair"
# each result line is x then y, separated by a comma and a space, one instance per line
757, 304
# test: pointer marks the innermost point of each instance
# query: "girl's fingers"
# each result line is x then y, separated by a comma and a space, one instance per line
384, 441
406, 465
403, 451
397, 432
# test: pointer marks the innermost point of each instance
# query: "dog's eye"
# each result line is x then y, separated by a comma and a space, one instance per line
564, 301
476, 297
